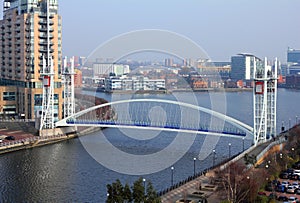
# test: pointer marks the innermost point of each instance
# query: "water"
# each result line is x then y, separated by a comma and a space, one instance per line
65, 172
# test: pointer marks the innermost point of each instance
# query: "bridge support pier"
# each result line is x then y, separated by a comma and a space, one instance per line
264, 101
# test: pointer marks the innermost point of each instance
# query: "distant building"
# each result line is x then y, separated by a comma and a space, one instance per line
133, 84
293, 61
222, 69
78, 78
242, 66
169, 62
105, 69
293, 55
293, 81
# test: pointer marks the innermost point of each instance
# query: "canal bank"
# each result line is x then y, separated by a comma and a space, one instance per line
25, 140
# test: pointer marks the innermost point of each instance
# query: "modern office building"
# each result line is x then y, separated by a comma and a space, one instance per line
242, 66
23, 47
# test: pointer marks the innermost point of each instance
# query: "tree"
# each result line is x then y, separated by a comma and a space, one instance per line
138, 191
117, 191
127, 194
109, 194
235, 182
151, 196
250, 159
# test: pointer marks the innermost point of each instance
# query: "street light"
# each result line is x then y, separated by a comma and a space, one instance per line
144, 181
243, 144
172, 175
296, 120
282, 126
289, 123
195, 166
229, 150
214, 157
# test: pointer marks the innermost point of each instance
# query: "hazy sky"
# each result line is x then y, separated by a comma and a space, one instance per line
221, 27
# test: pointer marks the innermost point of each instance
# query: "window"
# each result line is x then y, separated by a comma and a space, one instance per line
9, 96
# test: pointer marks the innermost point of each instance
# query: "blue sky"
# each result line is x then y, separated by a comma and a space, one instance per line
221, 27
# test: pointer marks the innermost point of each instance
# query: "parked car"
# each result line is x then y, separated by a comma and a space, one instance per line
280, 188
295, 184
261, 193
10, 137
294, 177
282, 198
284, 175
296, 165
289, 170
1, 140
293, 199
290, 189
285, 183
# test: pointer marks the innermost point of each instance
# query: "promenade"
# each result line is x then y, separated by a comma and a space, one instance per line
192, 192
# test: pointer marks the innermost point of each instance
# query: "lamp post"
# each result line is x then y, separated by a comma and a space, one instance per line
229, 150
214, 157
195, 166
282, 126
243, 144
289, 123
144, 181
172, 175
296, 120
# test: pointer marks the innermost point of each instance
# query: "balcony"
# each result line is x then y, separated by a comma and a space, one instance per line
44, 43
44, 36
44, 29
44, 22
44, 15
45, 50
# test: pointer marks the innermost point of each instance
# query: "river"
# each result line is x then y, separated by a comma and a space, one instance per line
65, 172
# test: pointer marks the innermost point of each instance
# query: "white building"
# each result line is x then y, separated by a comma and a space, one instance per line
101, 69
133, 84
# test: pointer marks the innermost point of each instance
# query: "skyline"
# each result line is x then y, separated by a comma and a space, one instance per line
222, 29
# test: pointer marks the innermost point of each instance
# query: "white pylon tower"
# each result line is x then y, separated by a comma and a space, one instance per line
69, 101
264, 101
47, 73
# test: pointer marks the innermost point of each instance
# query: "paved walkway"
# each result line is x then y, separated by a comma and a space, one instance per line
184, 191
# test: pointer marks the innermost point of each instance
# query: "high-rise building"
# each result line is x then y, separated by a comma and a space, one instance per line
23, 48
242, 66
293, 56
293, 61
